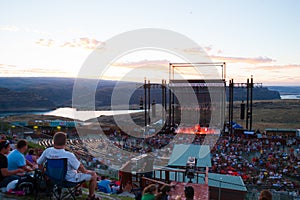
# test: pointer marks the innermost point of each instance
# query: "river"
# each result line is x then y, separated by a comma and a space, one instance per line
73, 113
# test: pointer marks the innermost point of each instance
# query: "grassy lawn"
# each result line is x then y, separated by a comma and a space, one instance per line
271, 114
82, 197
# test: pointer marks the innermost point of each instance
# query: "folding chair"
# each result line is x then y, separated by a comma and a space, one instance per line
56, 170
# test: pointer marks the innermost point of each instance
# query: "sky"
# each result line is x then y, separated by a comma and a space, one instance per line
258, 38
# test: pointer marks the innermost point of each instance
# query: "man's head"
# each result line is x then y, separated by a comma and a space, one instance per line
189, 192
22, 146
4, 146
265, 195
59, 139
165, 189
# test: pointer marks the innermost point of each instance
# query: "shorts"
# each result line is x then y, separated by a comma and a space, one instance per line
79, 177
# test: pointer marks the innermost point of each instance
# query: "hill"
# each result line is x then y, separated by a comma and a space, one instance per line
22, 94
23, 100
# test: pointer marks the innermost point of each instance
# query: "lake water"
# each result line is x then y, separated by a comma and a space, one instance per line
86, 115
73, 113
290, 96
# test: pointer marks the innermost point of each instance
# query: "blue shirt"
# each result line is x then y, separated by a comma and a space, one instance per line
106, 184
16, 160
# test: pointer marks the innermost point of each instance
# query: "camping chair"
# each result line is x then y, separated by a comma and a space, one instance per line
56, 170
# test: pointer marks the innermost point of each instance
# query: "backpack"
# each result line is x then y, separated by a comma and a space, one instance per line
26, 184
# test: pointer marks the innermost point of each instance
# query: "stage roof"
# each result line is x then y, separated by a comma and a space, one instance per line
181, 153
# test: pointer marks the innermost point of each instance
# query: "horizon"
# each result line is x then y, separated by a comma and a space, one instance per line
55, 39
48, 77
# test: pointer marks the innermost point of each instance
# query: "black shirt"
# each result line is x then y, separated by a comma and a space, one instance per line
3, 164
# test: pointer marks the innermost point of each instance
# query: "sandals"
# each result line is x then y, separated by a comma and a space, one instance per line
93, 198
78, 192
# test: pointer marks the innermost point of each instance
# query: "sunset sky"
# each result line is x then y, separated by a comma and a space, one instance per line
54, 38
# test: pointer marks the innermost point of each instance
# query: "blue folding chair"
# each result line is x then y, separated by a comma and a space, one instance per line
56, 170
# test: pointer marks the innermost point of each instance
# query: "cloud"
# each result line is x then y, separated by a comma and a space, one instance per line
86, 43
277, 67
203, 50
212, 53
45, 42
197, 50
143, 63
16, 70
255, 60
9, 28
4, 66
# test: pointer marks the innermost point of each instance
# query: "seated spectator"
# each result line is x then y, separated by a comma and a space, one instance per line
104, 185
127, 191
16, 158
149, 192
164, 194
189, 193
6, 176
30, 156
76, 171
265, 195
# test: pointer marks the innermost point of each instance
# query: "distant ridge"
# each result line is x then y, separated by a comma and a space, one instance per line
41, 93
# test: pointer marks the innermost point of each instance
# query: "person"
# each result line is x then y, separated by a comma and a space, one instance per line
189, 193
149, 192
30, 156
6, 176
104, 184
265, 195
76, 171
127, 191
164, 194
16, 158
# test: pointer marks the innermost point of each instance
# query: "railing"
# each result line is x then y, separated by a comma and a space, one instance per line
147, 181
176, 172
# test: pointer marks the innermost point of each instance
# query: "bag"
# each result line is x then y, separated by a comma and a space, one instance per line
26, 183
40, 181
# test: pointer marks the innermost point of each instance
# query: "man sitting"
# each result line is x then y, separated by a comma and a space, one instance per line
76, 172
16, 158
6, 176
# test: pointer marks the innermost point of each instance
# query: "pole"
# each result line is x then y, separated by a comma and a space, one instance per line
170, 99
149, 103
251, 102
162, 102
219, 198
229, 104
145, 101
173, 109
247, 105
165, 98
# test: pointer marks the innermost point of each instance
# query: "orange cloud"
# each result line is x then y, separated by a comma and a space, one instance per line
86, 43
203, 50
143, 63
4, 66
14, 70
277, 67
45, 42
255, 60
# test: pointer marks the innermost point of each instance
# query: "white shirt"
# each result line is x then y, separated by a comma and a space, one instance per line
73, 162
